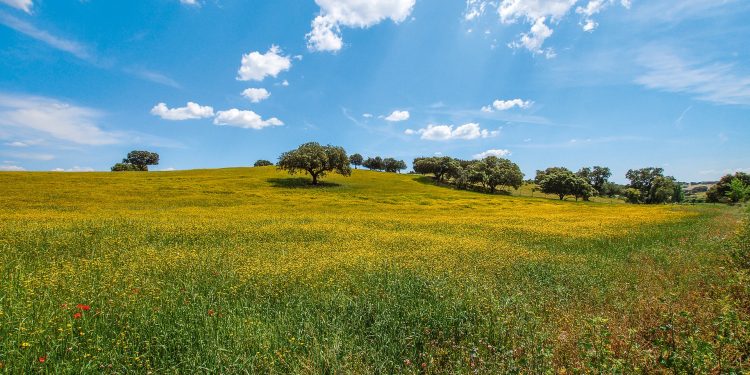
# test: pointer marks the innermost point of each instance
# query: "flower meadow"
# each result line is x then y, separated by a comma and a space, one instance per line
251, 270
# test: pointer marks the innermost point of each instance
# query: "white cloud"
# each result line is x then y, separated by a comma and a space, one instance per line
474, 9
326, 27
24, 5
504, 105
11, 168
17, 144
257, 66
397, 116
713, 82
499, 153
51, 117
540, 14
256, 95
74, 169
244, 119
449, 132
191, 111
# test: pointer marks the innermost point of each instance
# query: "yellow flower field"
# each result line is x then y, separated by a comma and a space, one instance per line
252, 270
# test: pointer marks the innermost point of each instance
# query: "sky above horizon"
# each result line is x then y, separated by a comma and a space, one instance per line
220, 83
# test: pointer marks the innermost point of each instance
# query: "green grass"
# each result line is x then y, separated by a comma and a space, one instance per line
251, 270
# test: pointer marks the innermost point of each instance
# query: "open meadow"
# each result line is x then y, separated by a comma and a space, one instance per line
251, 270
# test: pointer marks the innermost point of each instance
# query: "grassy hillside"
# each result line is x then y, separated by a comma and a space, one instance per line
252, 270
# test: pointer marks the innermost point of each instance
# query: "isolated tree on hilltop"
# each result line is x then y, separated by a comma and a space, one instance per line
356, 160
262, 163
137, 161
316, 160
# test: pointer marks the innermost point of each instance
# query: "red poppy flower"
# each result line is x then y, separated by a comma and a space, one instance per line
77, 315
83, 307
42, 359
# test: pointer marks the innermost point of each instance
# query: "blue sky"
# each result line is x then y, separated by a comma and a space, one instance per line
625, 84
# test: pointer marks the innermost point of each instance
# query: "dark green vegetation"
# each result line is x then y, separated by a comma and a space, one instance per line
262, 163
316, 160
137, 161
730, 189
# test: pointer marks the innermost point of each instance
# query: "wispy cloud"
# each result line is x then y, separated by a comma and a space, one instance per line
24, 5
46, 117
721, 83
11, 168
150, 75
79, 50
582, 142
74, 48
678, 122
678, 11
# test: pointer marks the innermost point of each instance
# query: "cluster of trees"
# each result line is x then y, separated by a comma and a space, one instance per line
647, 185
137, 161
730, 189
490, 173
378, 164
562, 182
650, 186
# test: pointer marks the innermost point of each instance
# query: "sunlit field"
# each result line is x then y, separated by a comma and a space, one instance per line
252, 270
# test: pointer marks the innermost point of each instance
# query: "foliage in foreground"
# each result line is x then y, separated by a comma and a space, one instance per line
375, 273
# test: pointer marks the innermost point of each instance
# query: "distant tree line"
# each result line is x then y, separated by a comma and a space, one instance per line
378, 164
647, 185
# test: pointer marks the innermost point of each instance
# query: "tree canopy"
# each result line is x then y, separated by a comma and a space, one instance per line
316, 160
492, 172
439, 166
597, 177
561, 182
356, 160
653, 186
374, 164
393, 165
137, 161
262, 163
718, 193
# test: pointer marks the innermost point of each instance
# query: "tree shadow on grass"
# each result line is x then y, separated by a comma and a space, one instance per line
299, 183
428, 180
